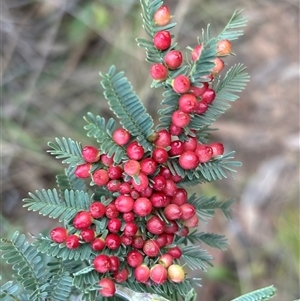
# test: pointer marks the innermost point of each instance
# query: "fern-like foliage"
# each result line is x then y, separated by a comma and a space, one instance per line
196, 258
98, 128
68, 150
127, 106
27, 264
8, 291
262, 294
60, 286
49, 203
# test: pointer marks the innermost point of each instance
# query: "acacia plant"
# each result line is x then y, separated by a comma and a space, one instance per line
129, 228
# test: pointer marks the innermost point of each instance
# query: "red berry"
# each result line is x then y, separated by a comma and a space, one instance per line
201, 107
198, 91
113, 185
59, 234
209, 96
159, 200
176, 273
176, 148
187, 103
158, 274
114, 263
114, 225
72, 242
121, 276
224, 47
158, 72
98, 244
113, 241
218, 148
188, 210
108, 287
160, 155
126, 240
159, 182
141, 182
115, 172
134, 194
130, 229
83, 171
183, 231
142, 273
175, 130
219, 66
172, 212
162, 239
190, 144
175, 252
125, 188
97, 210
100, 177
135, 151
170, 238
171, 227
188, 160
165, 171
142, 206
87, 235
151, 248
90, 154
121, 136
134, 258
176, 178
180, 197
191, 222
148, 166
111, 211
180, 119
162, 16
204, 153
162, 40
138, 242
164, 139
106, 160
155, 225
102, 263
128, 217
196, 52
173, 59
166, 260
181, 84
124, 203
132, 167
82, 220
170, 188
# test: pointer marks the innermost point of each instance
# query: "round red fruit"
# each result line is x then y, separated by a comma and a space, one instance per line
224, 47
142, 273
180, 197
162, 40
166, 260
140, 182
83, 171
98, 244
170, 188
121, 276
159, 200
218, 148
219, 66
142, 206
201, 107
111, 211
159, 182
173, 59
162, 16
108, 287
90, 154
158, 274
196, 52
114, 225
130, 229
106, 160
134, 258
121, 136
113, 241
100, 177
192, 222
155, 225
59, 234
72, 242
128, 217
125, 188
209, 96
151, 248
126, 240
187, 103
175, 252
124, 203
97, 210
148, 166
87, 235
198, 91
115, 172
113, 185
82, 220
158, 72
172, 212
137, 242
175, 130
135, 151
181, 84
176, 273
163, 139
190, 144
188, 160
114, 263
160, 155
176, 148
188, 210
180, 119
204, 153
132, 167
171, 227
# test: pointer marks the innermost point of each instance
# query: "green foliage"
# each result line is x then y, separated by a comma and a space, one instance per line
262, 294
196, 258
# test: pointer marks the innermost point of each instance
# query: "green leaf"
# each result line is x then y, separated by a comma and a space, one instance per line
98, 128
191, 296
48, 202
66, 149
60, 286
9, 289
196, 258
127, 106
262, 294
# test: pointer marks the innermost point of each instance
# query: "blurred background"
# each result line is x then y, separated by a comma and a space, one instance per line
52, 52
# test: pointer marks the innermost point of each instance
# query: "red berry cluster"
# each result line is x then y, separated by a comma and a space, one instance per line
148, 209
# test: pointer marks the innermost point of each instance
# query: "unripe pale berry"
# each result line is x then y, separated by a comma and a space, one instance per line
187, 103
82, 220
158, 72
162, 40
59, 234
108, 287
224, 47
166, 260
83, 171
90, 154
162, 16
121, 136
158, 274
173, 59
181, 84
188, 160
180, 119
176, 273
219, 66
100, 177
